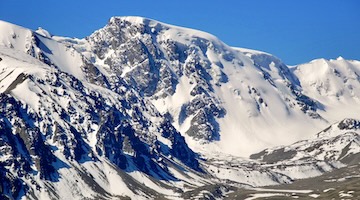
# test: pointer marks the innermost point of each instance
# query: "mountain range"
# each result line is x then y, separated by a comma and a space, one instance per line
141, 109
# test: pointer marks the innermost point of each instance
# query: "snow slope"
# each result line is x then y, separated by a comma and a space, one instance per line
334, 84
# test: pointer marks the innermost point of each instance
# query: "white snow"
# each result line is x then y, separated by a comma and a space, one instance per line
173, 104
262, 195
43, 32
284, 191
314, 195
92, 135
66, 58
14, 36
347, 194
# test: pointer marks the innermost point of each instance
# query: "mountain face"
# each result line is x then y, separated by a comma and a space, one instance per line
212, 93
333, 83
51, 121
142, 109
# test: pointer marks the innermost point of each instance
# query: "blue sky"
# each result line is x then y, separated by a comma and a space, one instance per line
295, 31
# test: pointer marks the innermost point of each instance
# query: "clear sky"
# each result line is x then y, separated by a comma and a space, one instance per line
296, 31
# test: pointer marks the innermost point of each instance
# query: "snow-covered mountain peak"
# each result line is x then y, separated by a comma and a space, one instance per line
131, 19
210, 91
140, 100
136, 21
152, 26
340, 58
43, 32
334, 84
342, 127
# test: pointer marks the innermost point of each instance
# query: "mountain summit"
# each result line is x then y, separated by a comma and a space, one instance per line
143, 109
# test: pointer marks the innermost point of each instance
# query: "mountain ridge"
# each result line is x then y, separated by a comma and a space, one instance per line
161, 104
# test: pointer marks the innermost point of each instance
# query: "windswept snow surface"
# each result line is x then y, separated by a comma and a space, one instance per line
14, 36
